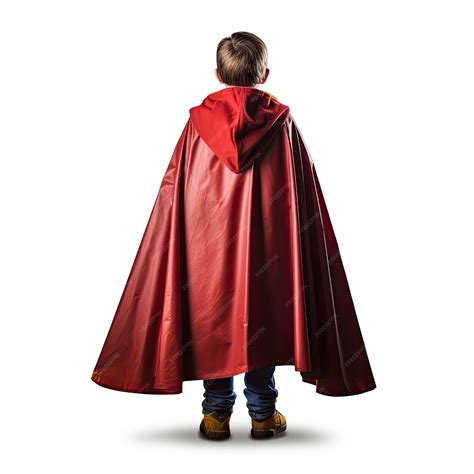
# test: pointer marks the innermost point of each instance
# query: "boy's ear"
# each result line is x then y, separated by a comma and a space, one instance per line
267, 72
216, 72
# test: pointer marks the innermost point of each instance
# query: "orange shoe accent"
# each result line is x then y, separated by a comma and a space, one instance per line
269, 427
215, 425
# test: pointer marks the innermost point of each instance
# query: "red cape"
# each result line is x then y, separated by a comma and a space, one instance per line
238, 267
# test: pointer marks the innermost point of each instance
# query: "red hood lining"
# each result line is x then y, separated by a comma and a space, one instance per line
238, 122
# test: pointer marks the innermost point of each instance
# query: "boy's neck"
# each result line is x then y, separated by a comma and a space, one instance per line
252, 87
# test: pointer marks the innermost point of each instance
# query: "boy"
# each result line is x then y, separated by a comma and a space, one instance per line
238, 270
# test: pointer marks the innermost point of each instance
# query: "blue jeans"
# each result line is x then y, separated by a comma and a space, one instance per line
259, 390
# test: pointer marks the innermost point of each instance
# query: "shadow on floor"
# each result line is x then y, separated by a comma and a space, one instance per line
240, 436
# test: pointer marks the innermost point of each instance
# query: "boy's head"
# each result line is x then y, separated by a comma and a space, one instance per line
242, 60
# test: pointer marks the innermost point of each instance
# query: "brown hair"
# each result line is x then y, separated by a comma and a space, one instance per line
241, 59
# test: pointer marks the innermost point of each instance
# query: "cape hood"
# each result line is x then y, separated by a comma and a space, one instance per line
237, 123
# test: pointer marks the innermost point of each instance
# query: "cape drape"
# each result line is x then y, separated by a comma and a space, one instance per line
238, 267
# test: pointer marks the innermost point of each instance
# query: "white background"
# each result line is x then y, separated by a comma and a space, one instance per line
93, 98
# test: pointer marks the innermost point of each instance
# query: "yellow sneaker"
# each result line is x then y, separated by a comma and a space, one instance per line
269, 427
215, 425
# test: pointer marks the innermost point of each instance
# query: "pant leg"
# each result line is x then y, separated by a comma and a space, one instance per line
260, 392
219, 395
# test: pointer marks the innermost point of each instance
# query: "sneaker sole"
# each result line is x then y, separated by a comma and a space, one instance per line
267, 433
